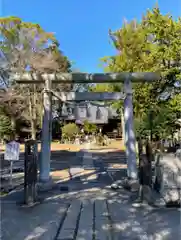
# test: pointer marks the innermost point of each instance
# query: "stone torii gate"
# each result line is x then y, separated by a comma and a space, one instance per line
73, 78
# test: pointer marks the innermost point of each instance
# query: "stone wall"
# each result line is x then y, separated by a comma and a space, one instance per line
168, 175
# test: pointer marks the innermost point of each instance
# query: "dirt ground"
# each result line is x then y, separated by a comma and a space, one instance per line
55, 146
64, 174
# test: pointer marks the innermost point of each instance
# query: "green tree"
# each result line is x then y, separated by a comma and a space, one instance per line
5, 126
25, 46
89, 127
152, 45
11, 106
161, 121
69, 131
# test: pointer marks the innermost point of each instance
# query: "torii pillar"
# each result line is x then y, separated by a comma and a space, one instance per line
129, 140
46, 134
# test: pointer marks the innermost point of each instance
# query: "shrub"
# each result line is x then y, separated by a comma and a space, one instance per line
89, 127
5, 127
100, 139
69, 131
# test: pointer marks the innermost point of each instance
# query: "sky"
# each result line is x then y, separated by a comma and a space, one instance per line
81, 26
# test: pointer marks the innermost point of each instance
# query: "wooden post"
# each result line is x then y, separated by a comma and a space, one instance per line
30, 177
145, 160
129, 131
149, 157
46, 133
145, 172
141, 168
140, 155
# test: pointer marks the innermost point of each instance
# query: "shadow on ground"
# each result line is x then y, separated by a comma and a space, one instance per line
89, 210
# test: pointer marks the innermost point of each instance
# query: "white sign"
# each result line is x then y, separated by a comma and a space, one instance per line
12, 151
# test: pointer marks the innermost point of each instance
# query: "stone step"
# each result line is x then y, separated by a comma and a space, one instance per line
86, 220
102, 223
85, 228
70, 224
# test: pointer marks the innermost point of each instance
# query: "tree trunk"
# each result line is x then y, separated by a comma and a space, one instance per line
33, 129
13, 123
141, 163
148, 167
13, 126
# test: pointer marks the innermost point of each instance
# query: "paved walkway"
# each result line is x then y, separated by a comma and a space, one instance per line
94, 213
89, 211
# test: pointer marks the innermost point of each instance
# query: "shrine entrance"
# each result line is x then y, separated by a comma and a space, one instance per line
74, 78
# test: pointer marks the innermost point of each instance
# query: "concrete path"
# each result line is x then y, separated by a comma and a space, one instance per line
89, 211
96, 213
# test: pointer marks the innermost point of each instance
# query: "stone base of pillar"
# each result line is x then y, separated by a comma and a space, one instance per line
132, 184
128, 184
46, 185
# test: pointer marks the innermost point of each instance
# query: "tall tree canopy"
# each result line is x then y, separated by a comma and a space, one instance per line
151, 45
25, 46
